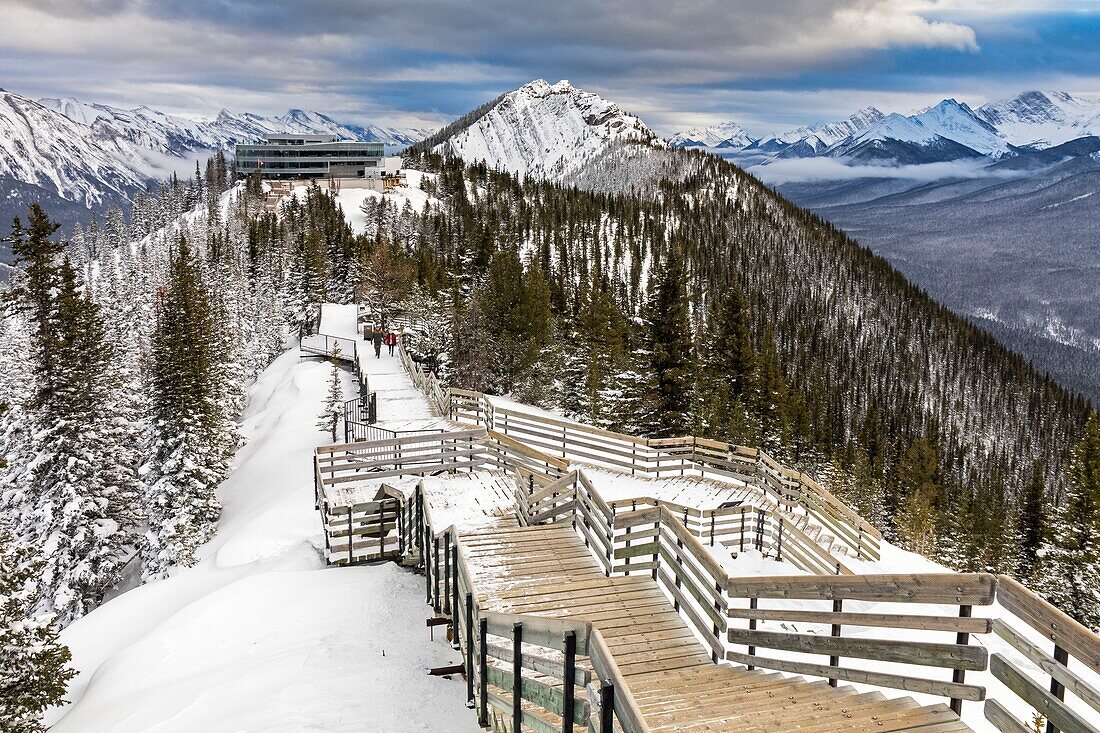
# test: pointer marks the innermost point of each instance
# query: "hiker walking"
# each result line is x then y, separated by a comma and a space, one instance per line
377, 339
391, 340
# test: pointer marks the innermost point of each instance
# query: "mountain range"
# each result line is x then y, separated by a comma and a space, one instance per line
77, 158
948, 131
1013, 248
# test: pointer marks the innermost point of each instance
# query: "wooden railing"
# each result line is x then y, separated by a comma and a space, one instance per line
1069, 641
791, 491
816, 622
496, 648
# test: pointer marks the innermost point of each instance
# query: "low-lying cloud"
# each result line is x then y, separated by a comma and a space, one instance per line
808, 170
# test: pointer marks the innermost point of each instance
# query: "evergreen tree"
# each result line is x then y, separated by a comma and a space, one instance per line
329, 420
1071, 559
37, 256
1031, 521
80, 517
188, 453
728, 369
34, 671
672, 357
919, 484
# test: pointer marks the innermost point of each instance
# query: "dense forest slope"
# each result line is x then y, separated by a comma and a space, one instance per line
931, 425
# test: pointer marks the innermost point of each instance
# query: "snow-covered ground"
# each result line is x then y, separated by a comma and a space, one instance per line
260, 635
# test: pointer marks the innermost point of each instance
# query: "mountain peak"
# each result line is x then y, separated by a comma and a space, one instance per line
545, 130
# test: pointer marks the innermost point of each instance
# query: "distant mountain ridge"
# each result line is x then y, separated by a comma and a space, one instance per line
950, 130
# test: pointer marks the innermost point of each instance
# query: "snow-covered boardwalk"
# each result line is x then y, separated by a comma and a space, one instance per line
261, 635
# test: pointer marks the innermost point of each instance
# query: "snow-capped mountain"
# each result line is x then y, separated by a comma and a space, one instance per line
174, 135
43, 150
947, 131
723, 135
1043, 119
545, 130
812, 140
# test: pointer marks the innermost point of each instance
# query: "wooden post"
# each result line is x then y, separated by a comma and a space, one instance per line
959, 675
401, 508
351, 537
607, 707
517, 677
426, 559
483, 674
752, 627
381, 528
838, 606
779, 546
714, 627
568, 678
455, 631
435, 575
447, 574
760, 530
470, 650
1061, 656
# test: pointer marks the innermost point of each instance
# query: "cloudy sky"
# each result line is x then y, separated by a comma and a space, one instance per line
768, 64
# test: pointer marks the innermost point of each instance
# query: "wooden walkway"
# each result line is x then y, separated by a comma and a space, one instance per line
548, 571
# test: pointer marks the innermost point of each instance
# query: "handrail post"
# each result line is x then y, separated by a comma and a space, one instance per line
568, 678
959, 675
447, 574
483, 673
752, 627
834, 661
425, 558
470, 650
607, 707
454, 594
517, 677
1061, 656
435, 575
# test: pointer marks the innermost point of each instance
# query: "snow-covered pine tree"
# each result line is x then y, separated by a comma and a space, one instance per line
81, 517
329, 420
34, 671
1070, 560
188, 452
70, 508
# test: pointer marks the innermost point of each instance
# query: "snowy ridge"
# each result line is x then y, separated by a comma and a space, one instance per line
45, 149
546, 130
817, 138
723, 135
177, 135
1043, 119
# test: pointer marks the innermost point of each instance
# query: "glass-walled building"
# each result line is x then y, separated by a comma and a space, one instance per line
311, 156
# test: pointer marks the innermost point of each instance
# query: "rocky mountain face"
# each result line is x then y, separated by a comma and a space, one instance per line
544, 130
1043, 119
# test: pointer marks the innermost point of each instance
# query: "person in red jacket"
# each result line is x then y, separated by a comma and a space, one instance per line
391, 340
